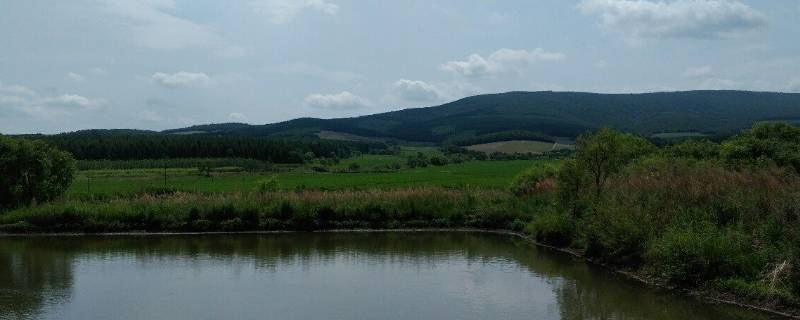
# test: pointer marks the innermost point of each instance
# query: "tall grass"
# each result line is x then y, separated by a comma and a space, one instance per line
692, 224
309, 210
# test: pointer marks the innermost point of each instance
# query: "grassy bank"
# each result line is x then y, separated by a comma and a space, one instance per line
311, 210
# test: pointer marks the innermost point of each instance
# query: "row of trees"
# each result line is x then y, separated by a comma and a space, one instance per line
100, 146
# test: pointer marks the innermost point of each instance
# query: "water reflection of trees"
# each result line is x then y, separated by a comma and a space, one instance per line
32, 270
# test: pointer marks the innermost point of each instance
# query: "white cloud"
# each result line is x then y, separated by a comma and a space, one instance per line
412, 90
284, 11
74, 101
17, 99
697, 72
340, 101
676, 18
238, 117
150, 25
503, 60
76, 77
720, 84
182, 79
15, 89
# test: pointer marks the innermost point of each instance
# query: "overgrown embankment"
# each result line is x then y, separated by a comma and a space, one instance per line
721, 219
270, 211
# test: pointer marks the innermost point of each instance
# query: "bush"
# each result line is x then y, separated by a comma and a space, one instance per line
268, 185
552, 227
537, 179
696, 251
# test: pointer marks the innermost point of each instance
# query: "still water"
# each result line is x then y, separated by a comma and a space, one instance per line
427, 275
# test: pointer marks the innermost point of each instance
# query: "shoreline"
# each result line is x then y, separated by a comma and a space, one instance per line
709, 297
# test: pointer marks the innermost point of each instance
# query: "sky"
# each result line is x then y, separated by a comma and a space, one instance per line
160, 64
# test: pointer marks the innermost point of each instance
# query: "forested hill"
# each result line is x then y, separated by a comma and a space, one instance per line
558, 114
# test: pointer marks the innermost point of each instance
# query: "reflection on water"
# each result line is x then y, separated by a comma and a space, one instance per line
328, 276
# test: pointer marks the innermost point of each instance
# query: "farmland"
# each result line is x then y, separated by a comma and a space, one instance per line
481, 174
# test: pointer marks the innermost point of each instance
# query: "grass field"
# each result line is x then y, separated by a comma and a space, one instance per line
518, 146
481, 174
376, 161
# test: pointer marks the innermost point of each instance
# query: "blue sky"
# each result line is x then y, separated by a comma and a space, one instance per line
157, 64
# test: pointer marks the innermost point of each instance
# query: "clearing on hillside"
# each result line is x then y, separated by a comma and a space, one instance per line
676, 135
519, 146
343, 136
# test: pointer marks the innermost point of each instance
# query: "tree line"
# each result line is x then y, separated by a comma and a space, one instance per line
99, 146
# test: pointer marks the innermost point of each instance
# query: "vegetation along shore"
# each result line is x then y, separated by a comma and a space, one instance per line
718, 218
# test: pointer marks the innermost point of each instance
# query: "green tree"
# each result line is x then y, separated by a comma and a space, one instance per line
572, 183
32, 171
533, 180
778, 142
605, 152
693, 149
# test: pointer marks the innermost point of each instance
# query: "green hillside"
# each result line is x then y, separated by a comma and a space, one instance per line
556, 114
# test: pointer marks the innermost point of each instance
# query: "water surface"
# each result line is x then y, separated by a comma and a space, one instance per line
427, 275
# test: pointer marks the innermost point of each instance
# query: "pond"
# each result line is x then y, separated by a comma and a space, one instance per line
380, 275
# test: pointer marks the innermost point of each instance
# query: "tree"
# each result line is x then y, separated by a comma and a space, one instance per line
32, 171
778, 142
572, 182
605, 152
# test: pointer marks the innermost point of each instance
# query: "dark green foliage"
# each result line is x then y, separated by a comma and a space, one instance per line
537, 179
32, 171
777, 142
572, 186
109, 145
606, 152
206, 165
413, 208
553, 227
690, 215
694, 149
697, 251
268, 185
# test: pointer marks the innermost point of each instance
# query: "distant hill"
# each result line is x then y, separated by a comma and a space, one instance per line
556, 114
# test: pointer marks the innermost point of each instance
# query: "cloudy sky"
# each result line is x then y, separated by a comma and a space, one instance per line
157, 64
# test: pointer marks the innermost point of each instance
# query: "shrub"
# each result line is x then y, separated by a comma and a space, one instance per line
537, 179
552, 227
688, 255
159, 191
268, 185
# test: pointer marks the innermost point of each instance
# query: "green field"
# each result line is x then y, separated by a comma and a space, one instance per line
518, 146
482, 174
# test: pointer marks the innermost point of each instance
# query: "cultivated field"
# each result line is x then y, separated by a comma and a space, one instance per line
481, 174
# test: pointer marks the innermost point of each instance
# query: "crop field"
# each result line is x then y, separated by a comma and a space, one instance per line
479, 174
519, 146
